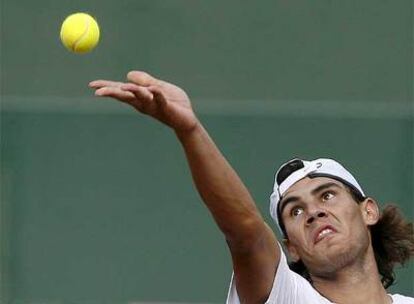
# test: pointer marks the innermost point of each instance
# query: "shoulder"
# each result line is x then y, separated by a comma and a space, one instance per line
288, 287
400, 299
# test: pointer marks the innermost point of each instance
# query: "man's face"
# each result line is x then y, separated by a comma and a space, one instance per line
326, 228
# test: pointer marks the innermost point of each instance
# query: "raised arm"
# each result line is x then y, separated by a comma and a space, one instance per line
252, 243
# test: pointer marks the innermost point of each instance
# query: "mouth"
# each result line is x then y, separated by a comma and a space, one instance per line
323, 232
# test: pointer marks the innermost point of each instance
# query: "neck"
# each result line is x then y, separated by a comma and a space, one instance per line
358, 283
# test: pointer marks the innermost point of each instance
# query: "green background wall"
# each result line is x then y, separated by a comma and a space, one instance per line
97, 203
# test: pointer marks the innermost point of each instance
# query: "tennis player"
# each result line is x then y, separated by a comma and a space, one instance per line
341, 247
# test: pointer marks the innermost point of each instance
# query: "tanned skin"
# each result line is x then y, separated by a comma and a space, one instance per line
253, 245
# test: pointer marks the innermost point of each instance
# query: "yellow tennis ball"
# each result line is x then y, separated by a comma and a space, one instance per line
79, 33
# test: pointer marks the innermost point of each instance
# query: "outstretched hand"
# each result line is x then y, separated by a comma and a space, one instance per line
159, 99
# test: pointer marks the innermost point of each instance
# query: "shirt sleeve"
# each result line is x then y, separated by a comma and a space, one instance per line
288, 288
399, 299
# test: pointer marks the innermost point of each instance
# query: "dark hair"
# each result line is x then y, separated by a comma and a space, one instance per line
392, 239
393, 242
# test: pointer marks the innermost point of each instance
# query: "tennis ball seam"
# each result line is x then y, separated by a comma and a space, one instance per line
75, 44
79, 33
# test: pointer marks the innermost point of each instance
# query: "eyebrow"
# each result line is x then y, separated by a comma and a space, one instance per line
292, 199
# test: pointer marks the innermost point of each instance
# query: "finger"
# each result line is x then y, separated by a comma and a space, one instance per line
116, 93
140, 92
142, 78
159, 96
104, 83
144, 97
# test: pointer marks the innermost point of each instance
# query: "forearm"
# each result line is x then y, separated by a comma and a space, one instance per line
220, 187
251, 242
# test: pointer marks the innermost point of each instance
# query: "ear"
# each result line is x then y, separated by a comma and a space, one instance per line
370, 211
293, 253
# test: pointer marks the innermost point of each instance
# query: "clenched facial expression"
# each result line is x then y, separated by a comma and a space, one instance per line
326, 228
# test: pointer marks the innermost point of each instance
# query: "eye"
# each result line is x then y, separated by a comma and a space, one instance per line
296, 211
327, 195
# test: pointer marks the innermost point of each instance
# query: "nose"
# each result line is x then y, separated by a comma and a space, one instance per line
316, 214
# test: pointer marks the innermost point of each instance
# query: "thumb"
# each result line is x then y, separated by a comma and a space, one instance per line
142, 78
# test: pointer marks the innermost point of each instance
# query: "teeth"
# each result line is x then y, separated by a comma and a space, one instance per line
324, 232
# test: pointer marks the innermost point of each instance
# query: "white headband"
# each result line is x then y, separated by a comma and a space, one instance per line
318, 167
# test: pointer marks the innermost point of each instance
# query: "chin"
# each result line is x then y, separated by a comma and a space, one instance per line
336, 257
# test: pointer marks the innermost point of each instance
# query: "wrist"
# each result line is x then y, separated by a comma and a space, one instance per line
187, 134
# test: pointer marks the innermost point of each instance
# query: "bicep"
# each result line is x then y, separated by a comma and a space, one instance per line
255, 267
